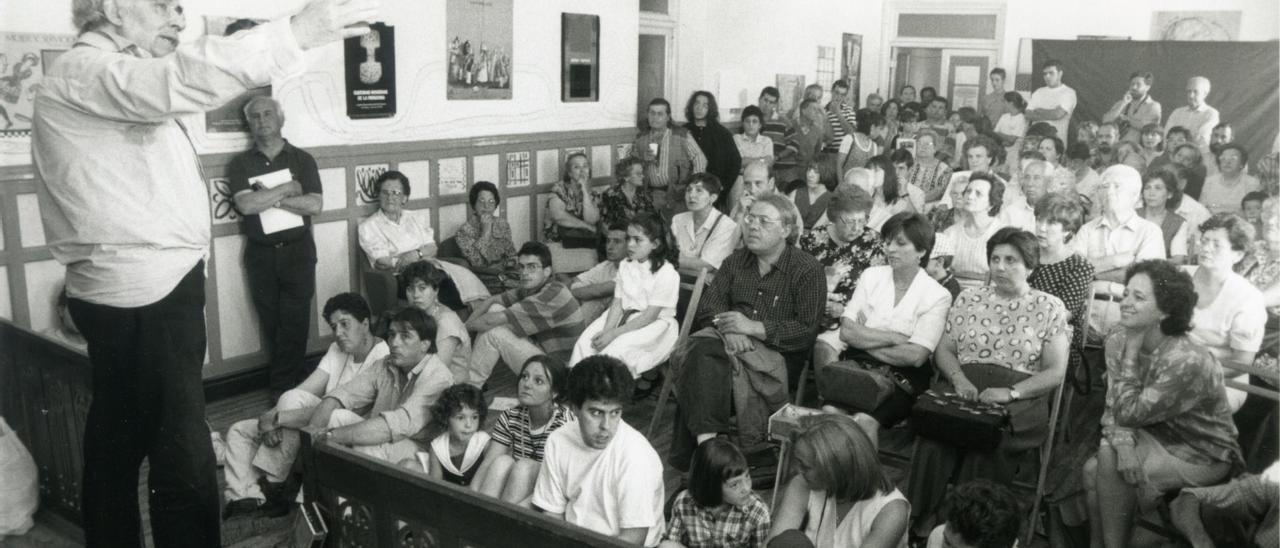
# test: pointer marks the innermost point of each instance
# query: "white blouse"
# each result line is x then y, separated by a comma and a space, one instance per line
921, 314
639, 288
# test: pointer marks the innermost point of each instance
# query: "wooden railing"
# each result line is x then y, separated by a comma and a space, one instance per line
369, 503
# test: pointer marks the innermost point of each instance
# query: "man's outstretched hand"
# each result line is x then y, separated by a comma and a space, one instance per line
324, 21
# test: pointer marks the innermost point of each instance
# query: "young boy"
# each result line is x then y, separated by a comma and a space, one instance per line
939, 266
1251, 207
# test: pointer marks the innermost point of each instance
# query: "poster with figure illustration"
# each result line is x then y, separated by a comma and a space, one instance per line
479, 41
851, 66
23, 57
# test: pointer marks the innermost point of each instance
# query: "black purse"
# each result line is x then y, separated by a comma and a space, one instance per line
942, 415
578, 238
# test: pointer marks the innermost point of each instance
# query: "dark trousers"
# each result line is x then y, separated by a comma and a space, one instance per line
705, 397
282, 281
148, 401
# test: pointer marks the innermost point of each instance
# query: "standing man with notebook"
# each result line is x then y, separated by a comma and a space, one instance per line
277, 189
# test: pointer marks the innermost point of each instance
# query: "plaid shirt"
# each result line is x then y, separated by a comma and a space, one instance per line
698, 527
548, 316
789, 300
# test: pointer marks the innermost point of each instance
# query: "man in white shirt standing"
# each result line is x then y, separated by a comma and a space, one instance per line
1197, 116
602, 475
1054, 102
1114, 241
126, 208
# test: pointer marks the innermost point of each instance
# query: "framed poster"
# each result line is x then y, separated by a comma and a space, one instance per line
579, 57
479, 49
23, 58
851, 66
791, 92
371, 73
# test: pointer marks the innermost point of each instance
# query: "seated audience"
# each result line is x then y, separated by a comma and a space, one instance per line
1136, 109
1160, 199
1113, 241
838, 495
398, 392
261, 451
640, 327
1167, 423
758, 316
455, 455
861, 145
813, 197
1189, 157
889, 196
393, 237
1251, 210
758, 182
627, 197
715, 141
1062, 273
594, 288
1222, 135
1197, 116
1018, 367
983, 197
929, 174
891, 110
902, 161
670, 156
1262, 269
1152, 141
1105, 154
1223, 191
752, 144
1052, 149
978, 514
601, 474
704, 236
485, 240
846, 246
572, 213
1087, 181
1174, 137
1230, 316
982, 154
943, 216
1193, 211
513, 458
1246, 511
939, 266
540, 317
422, 283
891, 325
1023, 192
719, 508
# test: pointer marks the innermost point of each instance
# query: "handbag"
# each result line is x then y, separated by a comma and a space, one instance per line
578, 238
942, 415
859, 384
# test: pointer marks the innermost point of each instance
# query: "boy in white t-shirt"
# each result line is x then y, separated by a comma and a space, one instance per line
602, 474
1054, 102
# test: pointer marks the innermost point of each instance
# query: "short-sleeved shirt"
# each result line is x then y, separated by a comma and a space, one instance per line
761, 147
779, 130
711, 242
449, 325
1234, 320
604, 272
253, 163
988, 328
695, 526
514, 429
403, 400
548, 316
1136, 236
342, 367
1049, 98
1199, 122
381, 237
604, 490
574, 200
616, 208
639, 287
846, 262
1220, 197
1068, 280
971, 264
921, 314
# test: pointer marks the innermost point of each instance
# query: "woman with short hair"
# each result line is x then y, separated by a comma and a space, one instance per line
1019, 367
1161, 198
1225, 190
485, 240
929, 173
1167, 423
1062, 273
572, 208
752, 146
628, 197
983, 197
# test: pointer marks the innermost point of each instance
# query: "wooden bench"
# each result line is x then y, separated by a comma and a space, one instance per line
370, 503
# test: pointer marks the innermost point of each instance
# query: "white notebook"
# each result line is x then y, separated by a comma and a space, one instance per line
276, 219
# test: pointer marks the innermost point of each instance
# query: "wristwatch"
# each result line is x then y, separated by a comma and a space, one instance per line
1014, 394
420, 257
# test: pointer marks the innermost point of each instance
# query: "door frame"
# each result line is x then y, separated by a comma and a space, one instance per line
983, 81
663, 25
890, 39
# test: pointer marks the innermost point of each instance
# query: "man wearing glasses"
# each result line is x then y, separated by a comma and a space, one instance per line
277, 189
758, 320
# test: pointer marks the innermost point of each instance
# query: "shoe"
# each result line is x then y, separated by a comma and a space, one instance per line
241, 507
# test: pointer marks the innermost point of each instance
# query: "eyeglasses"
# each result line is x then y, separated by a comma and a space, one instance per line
844, 221
752, 219
392, 193
530, 267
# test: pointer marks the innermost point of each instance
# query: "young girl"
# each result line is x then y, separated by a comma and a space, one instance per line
512, 461
814, 195
718, 508
454, 455
640, 328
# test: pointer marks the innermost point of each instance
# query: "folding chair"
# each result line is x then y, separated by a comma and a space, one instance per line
1046, 455
668, 376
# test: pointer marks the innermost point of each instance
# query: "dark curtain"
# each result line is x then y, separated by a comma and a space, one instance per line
1245, 76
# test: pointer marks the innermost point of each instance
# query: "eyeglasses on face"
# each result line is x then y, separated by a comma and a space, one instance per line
752, 219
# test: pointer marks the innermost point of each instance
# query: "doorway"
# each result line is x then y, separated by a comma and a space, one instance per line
957, 74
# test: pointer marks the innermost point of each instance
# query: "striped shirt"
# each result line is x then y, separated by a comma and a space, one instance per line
515, 430
838, 126
778, 130
671, 165
549, 316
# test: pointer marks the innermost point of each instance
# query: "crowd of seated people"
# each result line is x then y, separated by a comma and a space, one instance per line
896, 249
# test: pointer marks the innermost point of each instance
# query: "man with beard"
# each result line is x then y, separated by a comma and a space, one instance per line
1136, 109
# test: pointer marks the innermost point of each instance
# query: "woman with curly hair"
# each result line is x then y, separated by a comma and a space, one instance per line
723, 159
456, 454
1167, 422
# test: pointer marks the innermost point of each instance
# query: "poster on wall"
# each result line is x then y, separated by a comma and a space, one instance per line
791, 91
229, 118
517, 169
23, 58
1204, 26
371, 73
453, 176
579, 57
851, 66
480, 46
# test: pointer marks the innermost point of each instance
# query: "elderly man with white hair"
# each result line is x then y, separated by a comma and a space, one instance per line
1197, 116
1035, 180
126, 208
1115, 240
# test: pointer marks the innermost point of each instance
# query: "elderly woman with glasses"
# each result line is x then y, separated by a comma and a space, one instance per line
393, 237
485, 240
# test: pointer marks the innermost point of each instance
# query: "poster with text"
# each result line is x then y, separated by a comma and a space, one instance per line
479, 41
371, 73
851, 66
23, 57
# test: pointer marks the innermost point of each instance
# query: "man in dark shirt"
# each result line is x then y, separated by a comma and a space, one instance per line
759, 318
280, 257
